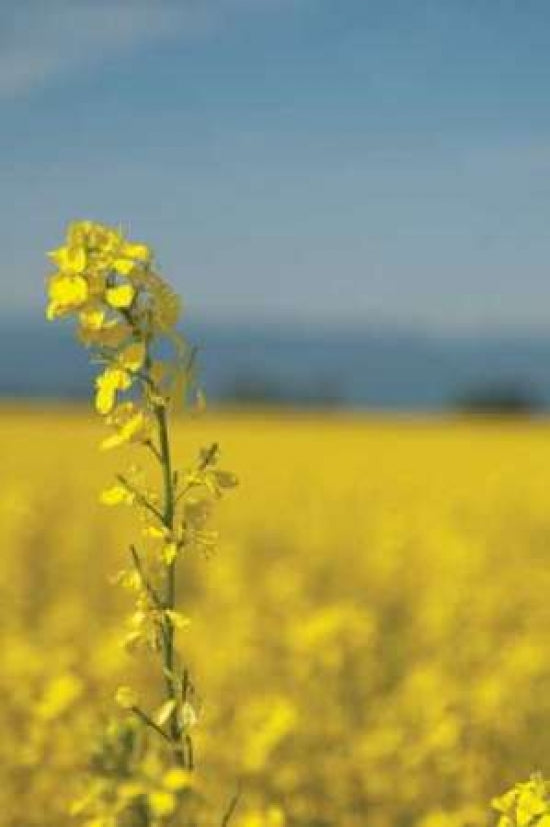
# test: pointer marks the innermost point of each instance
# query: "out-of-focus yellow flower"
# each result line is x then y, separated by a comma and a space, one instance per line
117, 495
177, 779
162, 802
271, 817
126, 697
59, 695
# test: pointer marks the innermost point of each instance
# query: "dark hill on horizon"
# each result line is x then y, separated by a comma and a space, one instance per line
376, 368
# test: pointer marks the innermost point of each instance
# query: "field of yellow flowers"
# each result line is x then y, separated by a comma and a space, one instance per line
371, 639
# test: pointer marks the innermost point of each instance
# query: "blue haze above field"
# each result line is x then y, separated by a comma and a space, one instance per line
372, 368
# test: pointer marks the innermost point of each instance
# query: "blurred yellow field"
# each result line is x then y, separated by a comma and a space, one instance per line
371, 639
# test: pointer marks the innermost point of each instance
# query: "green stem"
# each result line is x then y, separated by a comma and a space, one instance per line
169, 502
231, 809
149, 588
150, 723
170, 596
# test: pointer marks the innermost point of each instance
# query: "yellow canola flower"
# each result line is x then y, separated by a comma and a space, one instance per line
121, 296
129, 580
112, 333
78, 231
177, 779
137, 428
138, 252
105, 247
272, 817
66, 293
130, 256
169, 553
71, 260
99, 238
156, 532
117, 495
123, 266
60, 694
92, 318
107, 385
162, 802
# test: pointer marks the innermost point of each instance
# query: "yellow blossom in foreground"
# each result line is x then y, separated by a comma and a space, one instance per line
108, 384
120, 297
135, 429
66, 293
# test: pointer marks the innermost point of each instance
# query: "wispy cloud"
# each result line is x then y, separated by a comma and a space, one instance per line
40, 42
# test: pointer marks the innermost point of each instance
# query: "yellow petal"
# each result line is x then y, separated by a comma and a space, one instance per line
61, 692
165, 711
124, 266
135, 429
77, 232
116, 495
107, 384
177, 779
121, 296
169, 553
162, 803
66, 292
70, 260
139, 252
92, 318
105, 398
155, 532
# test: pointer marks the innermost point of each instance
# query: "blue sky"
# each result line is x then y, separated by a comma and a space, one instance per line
320, 161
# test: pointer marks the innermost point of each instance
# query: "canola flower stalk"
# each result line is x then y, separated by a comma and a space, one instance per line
126, 315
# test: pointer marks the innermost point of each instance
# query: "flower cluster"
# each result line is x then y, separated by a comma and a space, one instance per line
123, 309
